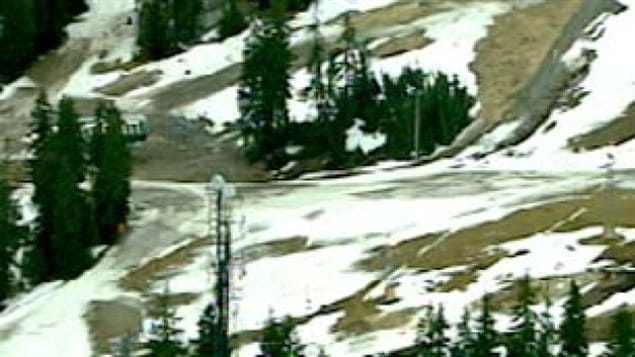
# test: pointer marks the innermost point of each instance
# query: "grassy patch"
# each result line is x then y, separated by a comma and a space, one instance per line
513, 51
399, 45
615, 132
141, 278
105, 66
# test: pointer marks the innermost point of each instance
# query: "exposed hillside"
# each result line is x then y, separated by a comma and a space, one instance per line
537, 184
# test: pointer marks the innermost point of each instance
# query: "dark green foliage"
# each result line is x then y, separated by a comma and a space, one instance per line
486, 336
206, 344
622, 343
431, 334
264, 90
10, 237
69, 140
164, 336
547, 334
523, 334
464, 345
112, 170
344, 90
40, 262
32, 27
165, 26
279, 340
72, 225
572, 330
65, 226
232, 22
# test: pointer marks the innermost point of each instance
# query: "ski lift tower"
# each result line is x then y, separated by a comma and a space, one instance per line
609, 197
219, 228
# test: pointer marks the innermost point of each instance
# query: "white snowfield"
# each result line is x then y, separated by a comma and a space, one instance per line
344, 219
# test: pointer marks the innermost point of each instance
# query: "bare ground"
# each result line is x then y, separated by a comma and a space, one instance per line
513, 51
616, 132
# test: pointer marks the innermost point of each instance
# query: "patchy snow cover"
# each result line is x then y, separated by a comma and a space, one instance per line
356, 139
454, 34
54, 323
326, 10
610, 83
9, 90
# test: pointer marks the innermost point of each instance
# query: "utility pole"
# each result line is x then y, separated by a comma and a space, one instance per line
417, 122
609, 197
219, 221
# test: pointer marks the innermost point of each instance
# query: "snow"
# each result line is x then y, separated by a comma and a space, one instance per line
610, 82
454, 33
356, 139
326, 277
616, 301
54, 316
220, 108
326, 10
9, 90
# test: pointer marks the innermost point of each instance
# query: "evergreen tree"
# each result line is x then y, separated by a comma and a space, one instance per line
206, 344
17, 37
279, 340
70, 238
232, 22
164, 336
317, 89
70, 142
622, 343
187, 20
431, 335
523, 332
464, 346
111, 186
572, 329
9, 240
152, 37
486, 335
547, 334
264, 89
40, 261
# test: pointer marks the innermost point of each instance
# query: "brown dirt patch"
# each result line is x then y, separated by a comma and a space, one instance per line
513, 51
399, 45
182, 150
275, 249
129, 82
108, 320
141, 278
461, 247
598, 328
616, 132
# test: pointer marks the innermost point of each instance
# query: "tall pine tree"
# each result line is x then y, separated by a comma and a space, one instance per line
432, 337
622, 343
464, 345
70, 142
206, 344
72, 234
264, 89
523, 332
572, 328
40, 261
547, 334
486, 336
9, 240
279, 340
111, 186
232, 21
164, 336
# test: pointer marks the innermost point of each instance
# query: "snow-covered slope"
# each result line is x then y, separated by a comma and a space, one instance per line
329, 251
